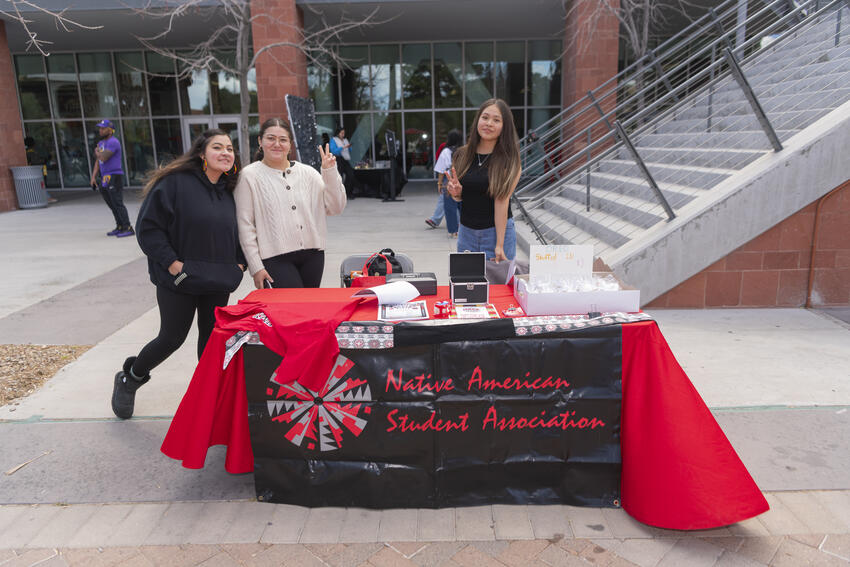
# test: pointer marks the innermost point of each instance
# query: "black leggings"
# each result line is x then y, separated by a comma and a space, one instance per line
176, 311
302, 268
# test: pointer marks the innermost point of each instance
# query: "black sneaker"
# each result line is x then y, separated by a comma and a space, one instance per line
128, 231
124, 390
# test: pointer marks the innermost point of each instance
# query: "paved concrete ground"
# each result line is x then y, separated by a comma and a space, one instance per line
99, 492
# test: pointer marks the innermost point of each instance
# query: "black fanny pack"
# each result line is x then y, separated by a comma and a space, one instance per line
199, 277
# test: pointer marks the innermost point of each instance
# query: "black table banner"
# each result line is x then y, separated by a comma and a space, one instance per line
519, 420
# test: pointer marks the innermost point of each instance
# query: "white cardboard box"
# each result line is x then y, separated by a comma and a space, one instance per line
575, 303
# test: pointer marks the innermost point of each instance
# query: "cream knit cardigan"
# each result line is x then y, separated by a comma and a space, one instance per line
279, 212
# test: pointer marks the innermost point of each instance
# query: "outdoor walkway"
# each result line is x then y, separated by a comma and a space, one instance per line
99, 492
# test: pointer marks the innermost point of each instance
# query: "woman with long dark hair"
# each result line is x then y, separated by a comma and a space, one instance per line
483, 177
282, 208
187, 229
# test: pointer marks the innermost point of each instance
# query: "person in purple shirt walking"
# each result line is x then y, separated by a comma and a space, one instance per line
108, 166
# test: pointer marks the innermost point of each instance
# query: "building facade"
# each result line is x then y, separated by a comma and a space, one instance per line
413, 71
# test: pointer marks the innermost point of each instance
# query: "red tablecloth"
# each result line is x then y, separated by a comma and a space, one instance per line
679, 470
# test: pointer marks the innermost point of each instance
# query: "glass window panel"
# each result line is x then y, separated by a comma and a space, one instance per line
416, 75
195, 93
386, 77
168, 138
418, 145
96, 85
72, 154
322, 85
443, 122
163, 90
62, 77
41, 150
448, 90
358, 130
544, 73
382, 123
510, 72
224, 87
326, 124
355, 79
537, 116
131, 84
252, 91
32, 86
139, 150
253, 137
478, 72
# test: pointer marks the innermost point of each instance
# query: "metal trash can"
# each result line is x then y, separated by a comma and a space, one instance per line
29, 186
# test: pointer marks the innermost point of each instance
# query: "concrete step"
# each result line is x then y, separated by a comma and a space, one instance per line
691, 176
794, 120
609, 229
779, 84
638, 188
744, 139
727, 158
789, 100
557, 230
630, 209
807, 55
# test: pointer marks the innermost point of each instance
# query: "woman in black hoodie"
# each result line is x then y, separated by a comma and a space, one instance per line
187, 229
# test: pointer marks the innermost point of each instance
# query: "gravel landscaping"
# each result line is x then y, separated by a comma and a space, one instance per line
25, 368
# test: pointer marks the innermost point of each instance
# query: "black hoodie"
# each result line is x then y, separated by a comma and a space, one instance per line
186, 217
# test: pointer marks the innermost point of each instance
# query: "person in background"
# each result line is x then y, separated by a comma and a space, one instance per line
340, 148
282, 208
187, 229
326, 140
446, 205
483, 177
108, 166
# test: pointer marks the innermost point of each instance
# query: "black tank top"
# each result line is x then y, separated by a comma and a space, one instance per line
478, 209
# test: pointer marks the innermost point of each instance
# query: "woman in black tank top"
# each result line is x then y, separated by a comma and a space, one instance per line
483, 177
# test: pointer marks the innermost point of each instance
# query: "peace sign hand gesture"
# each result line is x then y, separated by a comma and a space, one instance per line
454, 187
328, 159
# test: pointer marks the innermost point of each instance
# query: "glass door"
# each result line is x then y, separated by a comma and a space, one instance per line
193, 127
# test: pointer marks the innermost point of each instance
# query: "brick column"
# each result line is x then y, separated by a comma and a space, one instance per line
592, 48
12, 152
281, 70
592, 44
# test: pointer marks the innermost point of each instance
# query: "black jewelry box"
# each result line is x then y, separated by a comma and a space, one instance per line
424, 282
467, 280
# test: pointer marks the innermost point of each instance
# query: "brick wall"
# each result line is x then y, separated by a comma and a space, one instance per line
12, 151
591, 49
772, 270
281, 70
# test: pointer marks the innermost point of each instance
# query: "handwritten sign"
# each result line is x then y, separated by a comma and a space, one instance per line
560, 260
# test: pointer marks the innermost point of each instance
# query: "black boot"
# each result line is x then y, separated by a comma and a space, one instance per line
124, 390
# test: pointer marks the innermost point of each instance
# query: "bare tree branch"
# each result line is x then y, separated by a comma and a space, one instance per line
13, 13
235, 33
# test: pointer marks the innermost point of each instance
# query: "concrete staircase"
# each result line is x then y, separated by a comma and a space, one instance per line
714, 164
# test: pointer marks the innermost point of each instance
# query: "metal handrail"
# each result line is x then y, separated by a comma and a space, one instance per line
579, 161
683, 86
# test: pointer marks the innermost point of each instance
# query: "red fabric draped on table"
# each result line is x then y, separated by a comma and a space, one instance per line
679, 470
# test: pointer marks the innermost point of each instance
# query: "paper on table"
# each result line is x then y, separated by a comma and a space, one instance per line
391, 293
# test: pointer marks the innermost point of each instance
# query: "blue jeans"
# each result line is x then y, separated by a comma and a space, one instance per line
484, 240
451, 209
437, 217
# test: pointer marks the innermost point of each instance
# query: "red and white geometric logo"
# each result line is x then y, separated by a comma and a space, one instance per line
317, 420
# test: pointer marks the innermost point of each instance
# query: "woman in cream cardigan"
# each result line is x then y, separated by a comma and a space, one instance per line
281, 211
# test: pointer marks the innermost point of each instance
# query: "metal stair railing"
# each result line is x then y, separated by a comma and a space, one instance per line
577, 145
